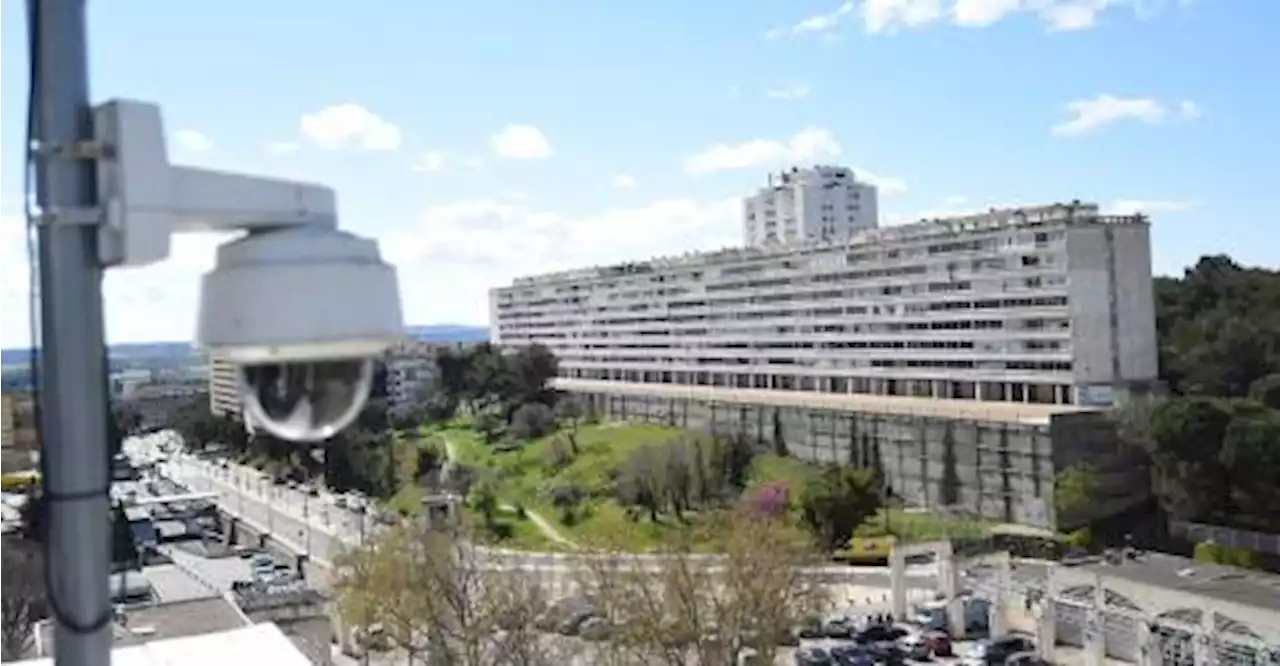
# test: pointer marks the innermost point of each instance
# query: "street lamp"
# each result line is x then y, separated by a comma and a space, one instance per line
301, 307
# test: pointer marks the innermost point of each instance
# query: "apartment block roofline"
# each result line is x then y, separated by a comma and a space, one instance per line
993, 219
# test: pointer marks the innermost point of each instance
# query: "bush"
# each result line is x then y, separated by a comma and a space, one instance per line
561, 453
1209, 552
567, 496
1081, 538
532, 420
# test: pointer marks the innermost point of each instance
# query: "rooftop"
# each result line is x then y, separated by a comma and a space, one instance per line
974, 410
255, 644
1246, 587
991, 220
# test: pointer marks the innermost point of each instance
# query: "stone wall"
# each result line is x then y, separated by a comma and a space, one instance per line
997, 470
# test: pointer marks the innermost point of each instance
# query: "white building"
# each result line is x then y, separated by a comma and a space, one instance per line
1039, 305
224, 391
808, 205
411, 371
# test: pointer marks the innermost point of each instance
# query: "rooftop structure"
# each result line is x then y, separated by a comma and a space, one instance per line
805, 205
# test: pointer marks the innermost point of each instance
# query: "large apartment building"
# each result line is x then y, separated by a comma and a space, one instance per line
823, 203
1040, 305
972, 353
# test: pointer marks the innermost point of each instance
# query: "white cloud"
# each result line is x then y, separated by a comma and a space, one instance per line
624, 181
1151, 206
818, 23
1190, 110
192, 141
1090, 115
281, 147
430, 161
807, 145
888, 16
521, 142
350, 126
788, 92
455, 252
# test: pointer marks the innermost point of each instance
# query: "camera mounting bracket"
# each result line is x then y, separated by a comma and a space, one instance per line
146, 199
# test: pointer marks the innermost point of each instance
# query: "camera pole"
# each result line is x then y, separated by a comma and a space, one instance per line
72, 369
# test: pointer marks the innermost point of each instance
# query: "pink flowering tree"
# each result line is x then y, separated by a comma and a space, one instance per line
769, 501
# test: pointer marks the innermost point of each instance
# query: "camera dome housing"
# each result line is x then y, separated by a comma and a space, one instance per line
304, 312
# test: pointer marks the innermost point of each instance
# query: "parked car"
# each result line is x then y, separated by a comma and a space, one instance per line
839, 627
1024, 659
880, 633
814, 656
1000, 649
852, 655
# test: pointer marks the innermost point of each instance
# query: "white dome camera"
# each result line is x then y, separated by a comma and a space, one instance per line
304, 313
304, 310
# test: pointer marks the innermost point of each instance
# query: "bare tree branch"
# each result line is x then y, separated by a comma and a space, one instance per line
22, 603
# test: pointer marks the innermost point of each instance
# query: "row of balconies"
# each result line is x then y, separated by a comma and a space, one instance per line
747, 355
907, 256
821, 300
665, 325
766, 335
802, 285
1064, 377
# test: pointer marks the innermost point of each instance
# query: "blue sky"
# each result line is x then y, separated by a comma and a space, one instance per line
483, 140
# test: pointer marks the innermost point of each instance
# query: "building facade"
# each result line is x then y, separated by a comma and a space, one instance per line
224, 388
1045, 305
809, 205
972, 355
410, 371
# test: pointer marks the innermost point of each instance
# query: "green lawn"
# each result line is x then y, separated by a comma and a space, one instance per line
527, 476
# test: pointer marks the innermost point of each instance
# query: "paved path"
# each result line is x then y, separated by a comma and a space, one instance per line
545, 526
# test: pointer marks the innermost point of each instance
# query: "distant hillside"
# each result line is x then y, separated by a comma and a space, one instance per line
181, 350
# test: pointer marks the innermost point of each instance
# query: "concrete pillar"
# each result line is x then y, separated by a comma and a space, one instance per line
1047, 618
997, 611
1206, 640
898, 582
980, 390
1026, 393
1059, 395
1148, 645
1095, 637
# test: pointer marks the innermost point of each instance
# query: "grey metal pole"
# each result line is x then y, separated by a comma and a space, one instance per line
73, 413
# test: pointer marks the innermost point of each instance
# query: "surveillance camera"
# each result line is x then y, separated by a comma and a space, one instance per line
305, 400
304, 312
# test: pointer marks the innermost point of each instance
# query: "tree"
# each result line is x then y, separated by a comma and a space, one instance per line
836, 501
569, 411
1187, 477
1075, 489
1250, 457
531, 421
432, 596
678, 607
23, 600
